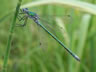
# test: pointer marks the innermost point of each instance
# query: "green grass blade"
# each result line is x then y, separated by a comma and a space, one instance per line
10, 37
83, 36
60, 62
63, 30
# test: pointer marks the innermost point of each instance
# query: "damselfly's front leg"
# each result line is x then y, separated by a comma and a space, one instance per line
25, 21
24, 18
21, 18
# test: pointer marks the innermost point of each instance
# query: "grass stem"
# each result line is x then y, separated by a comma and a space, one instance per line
12, 26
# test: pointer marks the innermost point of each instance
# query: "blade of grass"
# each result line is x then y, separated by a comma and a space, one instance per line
92, 54
83, 33
63, 30
81, 6
60, 62
5, 17
12, 26
82, 37
78, 5
92, 41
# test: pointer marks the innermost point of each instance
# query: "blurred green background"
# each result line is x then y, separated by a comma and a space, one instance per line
33, 50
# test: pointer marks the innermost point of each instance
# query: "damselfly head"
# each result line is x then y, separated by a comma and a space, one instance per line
25, 10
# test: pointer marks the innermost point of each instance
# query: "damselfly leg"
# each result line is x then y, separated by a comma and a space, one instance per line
22, 18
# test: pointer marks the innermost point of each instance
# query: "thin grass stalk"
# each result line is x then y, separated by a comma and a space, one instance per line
92, 45
92, 55
82, 38
82, 6
12, 26
70, 60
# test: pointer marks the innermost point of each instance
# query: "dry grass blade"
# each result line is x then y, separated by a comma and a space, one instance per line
82, 6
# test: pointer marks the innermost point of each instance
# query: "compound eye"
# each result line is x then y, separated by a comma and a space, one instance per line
26, 8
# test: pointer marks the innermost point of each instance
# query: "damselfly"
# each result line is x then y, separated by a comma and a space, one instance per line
32, 15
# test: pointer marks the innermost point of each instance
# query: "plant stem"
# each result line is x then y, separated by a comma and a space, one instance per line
12, 26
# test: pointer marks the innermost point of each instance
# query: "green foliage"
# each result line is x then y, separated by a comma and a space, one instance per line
26, 53
12, 26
